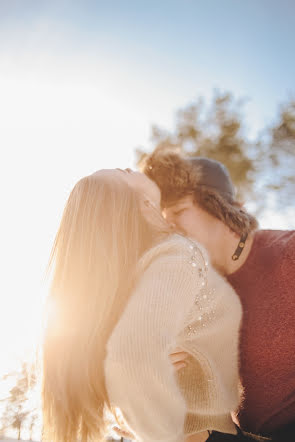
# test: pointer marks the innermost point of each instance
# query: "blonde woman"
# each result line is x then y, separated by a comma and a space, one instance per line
125, 293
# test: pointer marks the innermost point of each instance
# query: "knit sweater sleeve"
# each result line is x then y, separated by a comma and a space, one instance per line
139, 375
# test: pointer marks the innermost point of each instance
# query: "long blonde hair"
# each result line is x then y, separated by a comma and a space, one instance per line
101, 237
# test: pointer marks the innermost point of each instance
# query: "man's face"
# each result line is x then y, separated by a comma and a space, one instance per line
192, 221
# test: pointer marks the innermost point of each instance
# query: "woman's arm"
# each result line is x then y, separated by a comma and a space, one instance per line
139, 375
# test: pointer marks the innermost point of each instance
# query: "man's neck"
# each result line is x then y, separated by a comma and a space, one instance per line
223, 260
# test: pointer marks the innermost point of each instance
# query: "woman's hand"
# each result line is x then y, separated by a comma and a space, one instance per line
178, 358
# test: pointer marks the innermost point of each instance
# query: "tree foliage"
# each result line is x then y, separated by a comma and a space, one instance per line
19, 410
282, 154
260, 167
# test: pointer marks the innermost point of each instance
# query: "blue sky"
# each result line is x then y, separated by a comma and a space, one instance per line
80, 85
180, 48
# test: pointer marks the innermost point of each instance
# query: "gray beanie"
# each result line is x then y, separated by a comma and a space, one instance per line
215, 175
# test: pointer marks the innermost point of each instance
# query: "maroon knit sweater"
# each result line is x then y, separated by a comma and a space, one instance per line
266, 286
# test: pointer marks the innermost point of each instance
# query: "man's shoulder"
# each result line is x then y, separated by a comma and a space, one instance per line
276, 238
279, 243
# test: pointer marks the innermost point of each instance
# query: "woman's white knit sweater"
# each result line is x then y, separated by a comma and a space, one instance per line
179, 301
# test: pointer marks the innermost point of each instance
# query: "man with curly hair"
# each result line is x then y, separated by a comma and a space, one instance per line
198, 198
